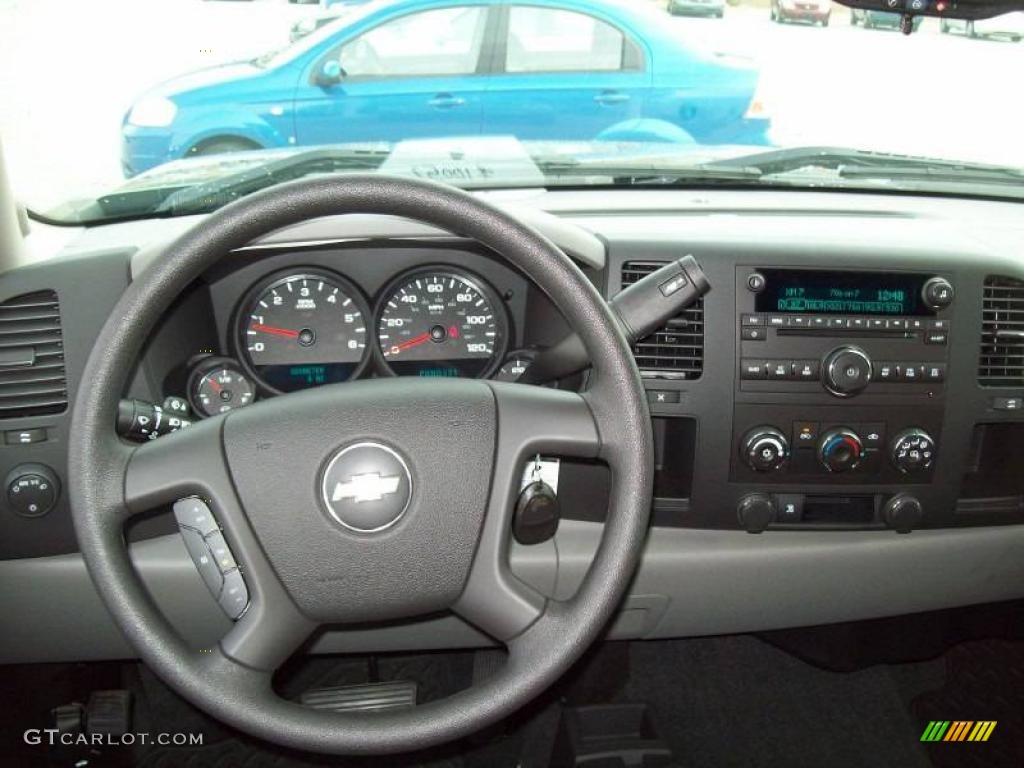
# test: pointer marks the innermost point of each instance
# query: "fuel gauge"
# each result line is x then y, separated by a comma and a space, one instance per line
218, 385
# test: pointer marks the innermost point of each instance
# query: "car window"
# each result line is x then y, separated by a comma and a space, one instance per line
551, 40
445, 41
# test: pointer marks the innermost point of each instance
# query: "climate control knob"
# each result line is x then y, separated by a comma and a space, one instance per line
840, 449
846, 371
764, 449
912, 450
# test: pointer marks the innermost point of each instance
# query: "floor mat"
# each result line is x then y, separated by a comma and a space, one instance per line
984, 681
738, 701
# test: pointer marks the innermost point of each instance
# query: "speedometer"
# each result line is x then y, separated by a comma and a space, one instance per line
441, 323
302, 330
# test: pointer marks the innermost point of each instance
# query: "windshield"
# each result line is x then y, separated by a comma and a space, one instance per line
119, 109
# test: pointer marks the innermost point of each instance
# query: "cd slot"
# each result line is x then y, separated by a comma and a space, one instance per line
849, 333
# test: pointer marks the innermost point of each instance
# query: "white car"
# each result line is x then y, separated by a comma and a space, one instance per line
1008, 26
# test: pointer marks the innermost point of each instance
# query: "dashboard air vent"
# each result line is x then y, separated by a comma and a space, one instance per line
32, 378
1002, 333
677, 350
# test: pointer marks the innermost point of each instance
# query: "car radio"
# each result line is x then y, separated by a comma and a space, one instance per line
846, 333
839, 391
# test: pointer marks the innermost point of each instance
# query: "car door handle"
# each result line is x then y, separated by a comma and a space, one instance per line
611, 97
446, 101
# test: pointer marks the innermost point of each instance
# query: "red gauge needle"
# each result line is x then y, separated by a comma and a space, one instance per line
411, 342
274, 330
215, 385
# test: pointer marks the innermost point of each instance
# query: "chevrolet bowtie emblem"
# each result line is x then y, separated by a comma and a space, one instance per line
369, 487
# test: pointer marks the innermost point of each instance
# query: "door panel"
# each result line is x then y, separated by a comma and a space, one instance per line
411, 77
564, 75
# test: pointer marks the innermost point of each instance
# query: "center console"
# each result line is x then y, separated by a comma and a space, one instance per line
839, 401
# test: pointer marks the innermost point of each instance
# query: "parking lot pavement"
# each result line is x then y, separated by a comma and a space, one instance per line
69, 71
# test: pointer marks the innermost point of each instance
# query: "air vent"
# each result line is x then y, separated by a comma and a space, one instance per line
677, 350
1002, 333
32, 378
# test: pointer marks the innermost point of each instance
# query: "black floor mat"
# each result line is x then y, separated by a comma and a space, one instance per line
984, 681
737, 701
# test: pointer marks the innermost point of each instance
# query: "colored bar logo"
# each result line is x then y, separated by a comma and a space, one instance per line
958, 730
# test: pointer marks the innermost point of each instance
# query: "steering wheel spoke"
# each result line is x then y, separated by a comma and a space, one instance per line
191, 462
531, 421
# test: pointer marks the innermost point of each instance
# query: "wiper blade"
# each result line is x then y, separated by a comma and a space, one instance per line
214, 194
855, 163
654, 174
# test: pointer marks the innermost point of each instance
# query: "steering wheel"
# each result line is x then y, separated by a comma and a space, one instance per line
438, 543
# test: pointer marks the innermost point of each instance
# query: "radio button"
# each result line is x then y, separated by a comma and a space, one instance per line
937, 293
936, 337
778, 321
915, 324
837, 322
910, 372
800, 321
937, 324
748, 320
754, 334
885, 372
819, 321
858, 323
896, 324
752, 370
935, 372
806, 370
876, 323
846, 371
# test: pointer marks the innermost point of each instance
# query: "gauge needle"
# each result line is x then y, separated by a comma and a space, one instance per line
215, 385
274, 330
410, 342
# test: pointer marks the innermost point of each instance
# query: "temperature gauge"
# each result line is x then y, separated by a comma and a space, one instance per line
217, 385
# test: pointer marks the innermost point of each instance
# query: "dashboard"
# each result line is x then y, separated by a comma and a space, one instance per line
851, 390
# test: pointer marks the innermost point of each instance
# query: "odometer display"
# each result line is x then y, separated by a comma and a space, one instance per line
439, 323
304, 330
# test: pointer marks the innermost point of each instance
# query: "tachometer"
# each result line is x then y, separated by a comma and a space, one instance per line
303, 330
441, 323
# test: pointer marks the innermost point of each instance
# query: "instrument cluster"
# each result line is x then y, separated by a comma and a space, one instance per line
308, 326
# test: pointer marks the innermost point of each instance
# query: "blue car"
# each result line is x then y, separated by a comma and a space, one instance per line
411, 69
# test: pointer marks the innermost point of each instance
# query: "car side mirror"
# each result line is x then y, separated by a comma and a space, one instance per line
331, 73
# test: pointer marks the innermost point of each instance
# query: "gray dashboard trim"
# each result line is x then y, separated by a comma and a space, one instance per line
690, 583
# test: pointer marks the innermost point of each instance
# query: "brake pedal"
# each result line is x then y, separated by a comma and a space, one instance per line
368, 696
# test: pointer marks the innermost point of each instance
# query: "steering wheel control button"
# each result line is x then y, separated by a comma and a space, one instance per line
764, 449
204, 561
32, 490
222, 555
937, 293
234, 596
366, 487
846, 371
193, 513
913, 450
840, 449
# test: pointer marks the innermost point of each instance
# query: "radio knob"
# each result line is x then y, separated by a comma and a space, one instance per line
756, 512
903, 513
937, 293
912, 450
846, 371
764, 449
840, 449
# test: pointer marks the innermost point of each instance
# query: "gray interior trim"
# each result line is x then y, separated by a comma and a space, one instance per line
577, 242
690, 582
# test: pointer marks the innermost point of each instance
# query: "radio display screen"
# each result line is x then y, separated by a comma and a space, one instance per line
841, 293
